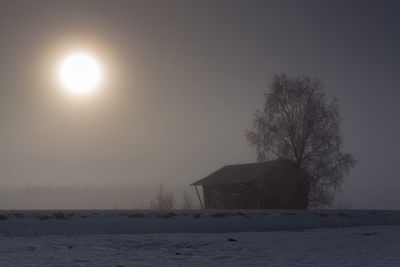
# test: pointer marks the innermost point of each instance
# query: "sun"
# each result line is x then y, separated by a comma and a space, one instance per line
80, 73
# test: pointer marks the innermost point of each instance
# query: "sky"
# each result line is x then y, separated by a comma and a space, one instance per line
182, 80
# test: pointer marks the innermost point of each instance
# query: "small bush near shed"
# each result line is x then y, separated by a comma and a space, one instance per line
60, 216
43, 216
218, 215
169, 215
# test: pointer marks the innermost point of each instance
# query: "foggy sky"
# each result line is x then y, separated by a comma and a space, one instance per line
183, 79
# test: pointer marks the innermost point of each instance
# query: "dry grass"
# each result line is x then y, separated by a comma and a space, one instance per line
135, 215
321, 214
60, 216
63, 216
218, 215
197, 215
169, 215
43, 217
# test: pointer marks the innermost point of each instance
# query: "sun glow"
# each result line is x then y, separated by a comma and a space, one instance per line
80, 73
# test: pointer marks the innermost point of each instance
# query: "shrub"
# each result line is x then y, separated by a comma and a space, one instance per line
60, 216
168, 215
163, 201
42, 216
187, 202
218, 215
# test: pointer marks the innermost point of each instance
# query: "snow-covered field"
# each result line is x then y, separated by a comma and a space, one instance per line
203, 238
355, 246
78, 222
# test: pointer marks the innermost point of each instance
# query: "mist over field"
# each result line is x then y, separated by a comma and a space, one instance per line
91, 197
181, 82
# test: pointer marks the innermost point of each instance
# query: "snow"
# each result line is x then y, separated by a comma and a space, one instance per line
199, 238
31, 223
354, 246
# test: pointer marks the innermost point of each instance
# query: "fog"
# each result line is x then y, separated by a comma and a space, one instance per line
182, 81
93, 197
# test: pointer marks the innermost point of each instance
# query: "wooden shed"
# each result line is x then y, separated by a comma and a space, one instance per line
277, 184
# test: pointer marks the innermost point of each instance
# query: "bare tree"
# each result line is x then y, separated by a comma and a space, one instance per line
163, 200
298, 123
187, 202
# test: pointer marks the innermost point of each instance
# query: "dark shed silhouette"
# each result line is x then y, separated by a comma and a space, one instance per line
277, 184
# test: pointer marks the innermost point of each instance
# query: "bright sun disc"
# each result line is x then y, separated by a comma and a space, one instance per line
80, 73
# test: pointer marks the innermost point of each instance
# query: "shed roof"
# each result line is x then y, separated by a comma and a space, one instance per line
241, 173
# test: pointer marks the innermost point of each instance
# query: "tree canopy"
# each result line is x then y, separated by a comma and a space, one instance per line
299, 123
